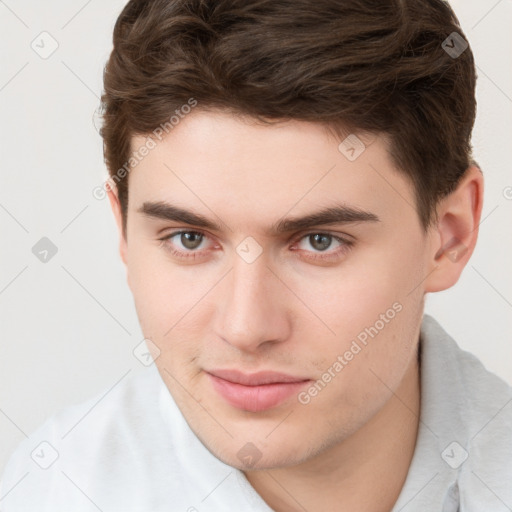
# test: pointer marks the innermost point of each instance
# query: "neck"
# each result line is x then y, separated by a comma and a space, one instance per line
365, 472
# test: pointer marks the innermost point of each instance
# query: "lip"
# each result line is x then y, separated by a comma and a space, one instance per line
255, 392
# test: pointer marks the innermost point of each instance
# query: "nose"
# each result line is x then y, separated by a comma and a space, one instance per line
252, 309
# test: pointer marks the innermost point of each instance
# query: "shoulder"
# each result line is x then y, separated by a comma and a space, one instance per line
469, 409
60, 456
459, 374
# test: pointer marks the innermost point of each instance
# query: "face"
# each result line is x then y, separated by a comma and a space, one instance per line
275, 336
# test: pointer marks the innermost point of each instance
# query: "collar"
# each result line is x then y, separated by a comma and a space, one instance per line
465, 420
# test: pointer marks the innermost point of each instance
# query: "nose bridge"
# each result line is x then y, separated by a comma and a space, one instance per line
251, 312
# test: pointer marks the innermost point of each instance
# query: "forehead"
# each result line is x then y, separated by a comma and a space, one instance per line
218, 162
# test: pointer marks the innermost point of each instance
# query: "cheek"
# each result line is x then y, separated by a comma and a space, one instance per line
174, 306
373, 306
352, 296
159, 292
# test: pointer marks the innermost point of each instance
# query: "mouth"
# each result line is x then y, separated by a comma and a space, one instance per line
255, 392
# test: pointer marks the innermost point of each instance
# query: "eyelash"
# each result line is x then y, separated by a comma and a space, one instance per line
328, 256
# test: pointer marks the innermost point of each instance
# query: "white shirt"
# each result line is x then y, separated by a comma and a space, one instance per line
132, 450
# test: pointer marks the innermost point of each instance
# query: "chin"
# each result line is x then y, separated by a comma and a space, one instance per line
255, 452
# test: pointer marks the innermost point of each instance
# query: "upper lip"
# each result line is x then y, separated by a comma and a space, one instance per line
255, 379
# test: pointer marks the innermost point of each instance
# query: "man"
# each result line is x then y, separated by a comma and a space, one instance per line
289, 181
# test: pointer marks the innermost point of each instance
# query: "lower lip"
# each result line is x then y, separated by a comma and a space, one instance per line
256, 398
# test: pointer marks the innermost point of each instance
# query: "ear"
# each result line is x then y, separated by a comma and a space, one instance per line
116, 210
456, 231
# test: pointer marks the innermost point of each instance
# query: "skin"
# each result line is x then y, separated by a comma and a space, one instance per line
350, 447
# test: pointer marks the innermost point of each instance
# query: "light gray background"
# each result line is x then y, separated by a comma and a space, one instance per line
69, 325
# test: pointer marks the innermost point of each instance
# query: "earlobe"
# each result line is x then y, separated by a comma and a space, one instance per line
116, 210
456, 231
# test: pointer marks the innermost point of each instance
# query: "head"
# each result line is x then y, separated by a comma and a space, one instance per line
289, 180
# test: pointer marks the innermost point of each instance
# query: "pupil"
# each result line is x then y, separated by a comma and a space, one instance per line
321, 246
190, 240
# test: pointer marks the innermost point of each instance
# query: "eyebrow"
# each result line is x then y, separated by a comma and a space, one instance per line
338, 214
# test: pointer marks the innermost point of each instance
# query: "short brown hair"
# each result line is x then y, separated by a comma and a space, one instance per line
379, 66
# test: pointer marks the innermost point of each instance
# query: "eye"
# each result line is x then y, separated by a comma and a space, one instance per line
189, 245
190, 240
185, 245
321, 242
